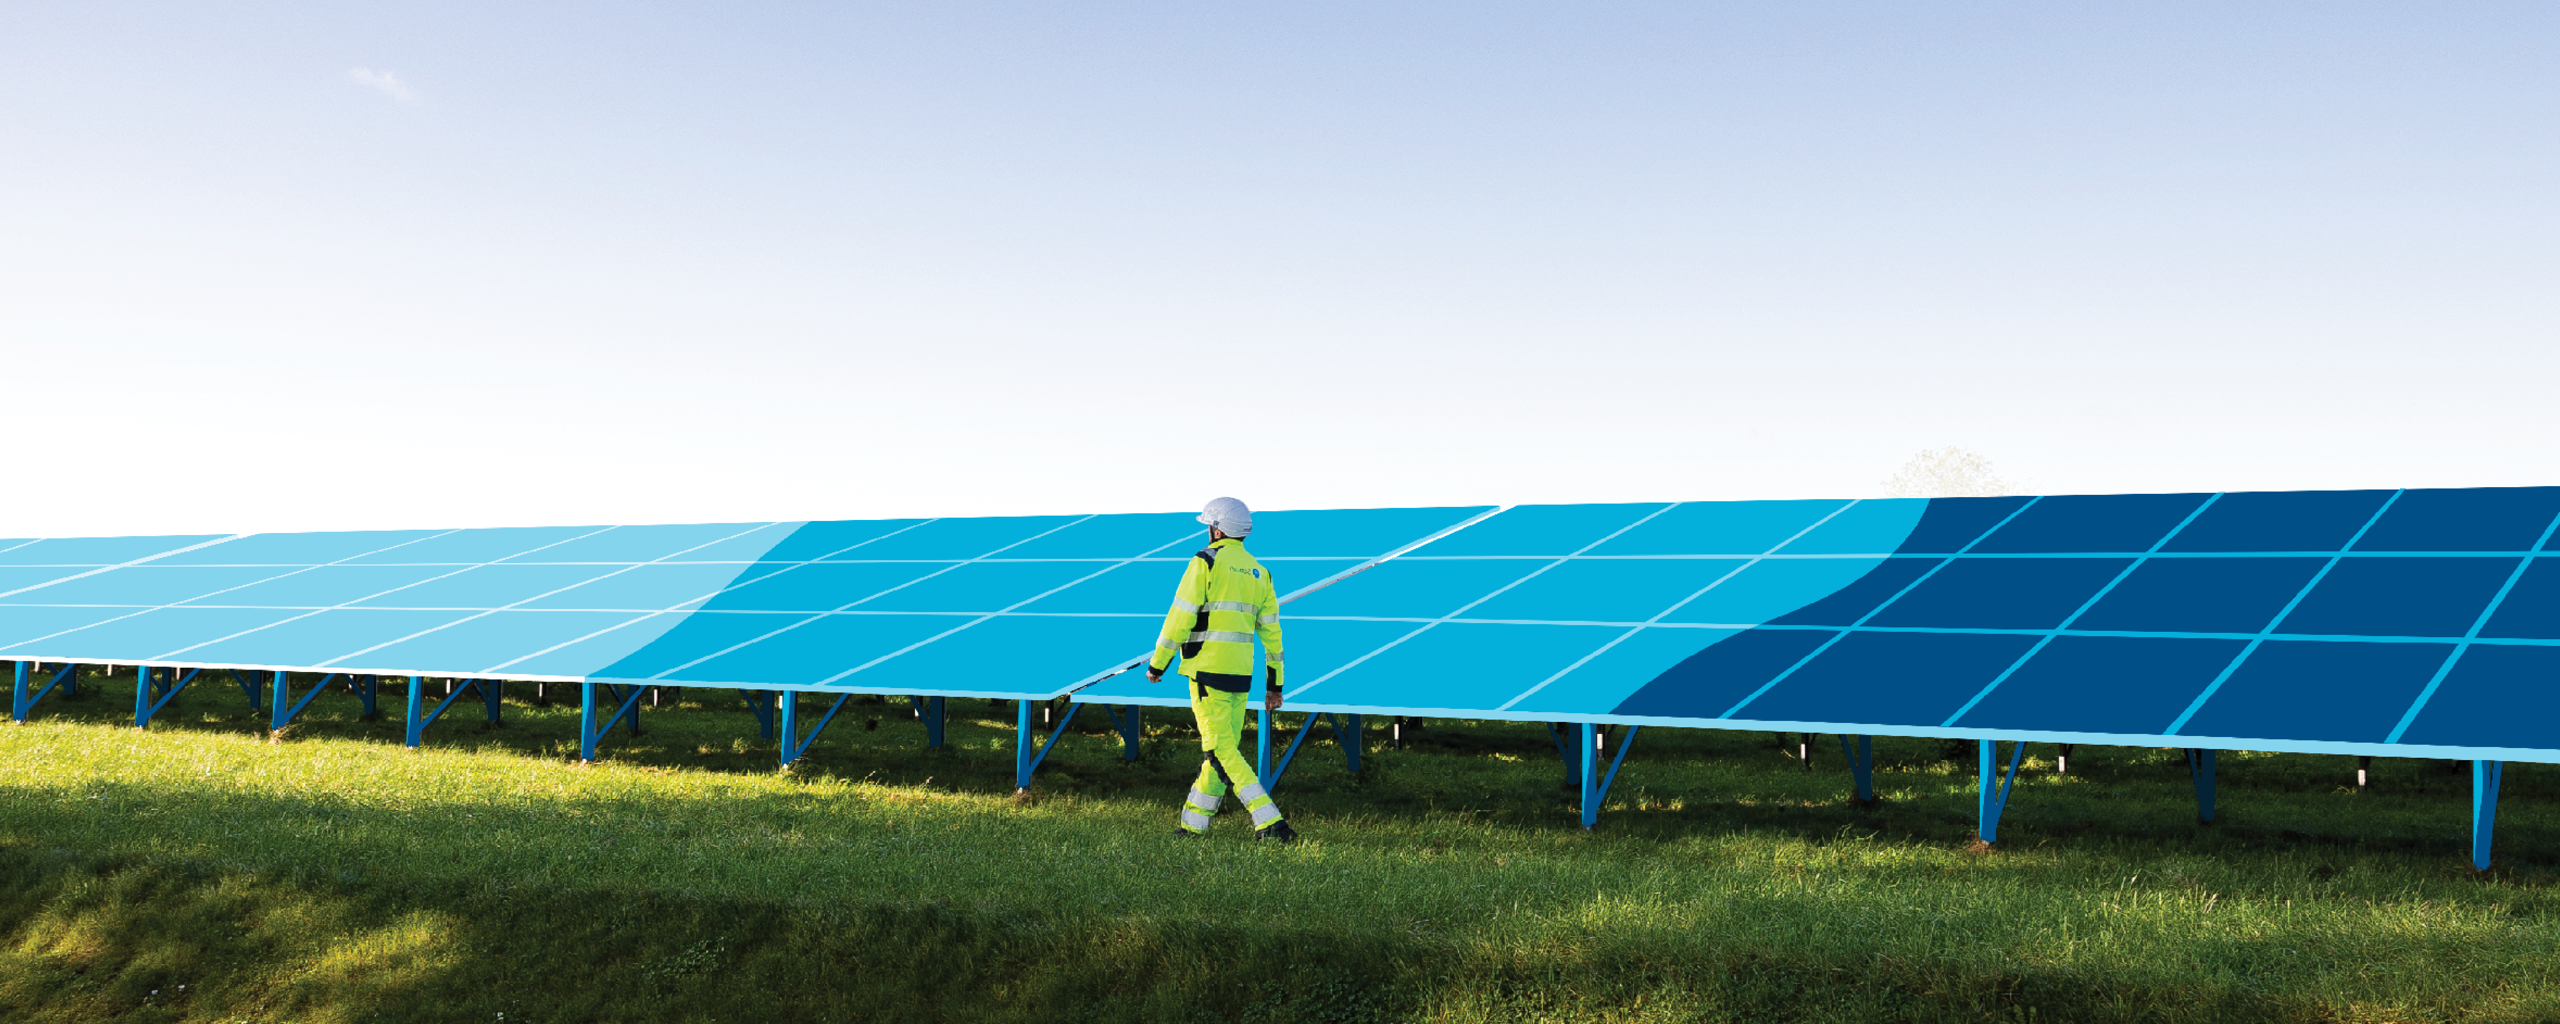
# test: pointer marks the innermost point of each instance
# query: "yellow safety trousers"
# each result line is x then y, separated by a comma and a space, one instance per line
1223, 762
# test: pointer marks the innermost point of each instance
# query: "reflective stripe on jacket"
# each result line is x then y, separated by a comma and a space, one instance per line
1225, 599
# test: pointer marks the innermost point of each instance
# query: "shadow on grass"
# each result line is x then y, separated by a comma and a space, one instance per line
85, 937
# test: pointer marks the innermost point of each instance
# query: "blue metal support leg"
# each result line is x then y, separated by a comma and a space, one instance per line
793, 744
2484, 809
1262, 745
761, 702
1862, 766
1025, 760
1992, 794
417, 697
1595, 792
150, 693
2200, 766
929, 711
249, 688
283, 709
371, 690
492, 691
591, 729
22, 703
1358, 738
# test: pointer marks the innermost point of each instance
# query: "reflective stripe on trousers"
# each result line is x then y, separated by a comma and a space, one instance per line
1224, 766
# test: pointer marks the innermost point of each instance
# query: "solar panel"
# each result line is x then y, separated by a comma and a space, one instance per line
2370, 622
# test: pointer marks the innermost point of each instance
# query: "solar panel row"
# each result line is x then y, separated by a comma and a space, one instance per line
2354, 621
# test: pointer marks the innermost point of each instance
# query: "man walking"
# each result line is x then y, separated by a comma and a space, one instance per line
1225, 599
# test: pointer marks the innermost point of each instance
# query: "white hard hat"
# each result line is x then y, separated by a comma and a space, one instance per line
1229, 516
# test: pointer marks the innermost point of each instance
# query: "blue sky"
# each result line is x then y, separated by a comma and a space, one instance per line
281, 266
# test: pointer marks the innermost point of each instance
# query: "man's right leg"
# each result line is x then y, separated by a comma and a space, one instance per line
1220, 716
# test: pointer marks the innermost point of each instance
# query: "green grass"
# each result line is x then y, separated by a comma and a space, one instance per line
336, 876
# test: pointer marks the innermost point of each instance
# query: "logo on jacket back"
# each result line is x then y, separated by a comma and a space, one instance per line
1255, 572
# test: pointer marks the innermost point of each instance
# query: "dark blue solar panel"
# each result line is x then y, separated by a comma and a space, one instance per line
2002, 593
2532, 609
2494, 697
2466, 519
2400, 597
1908, 679
2092, 522
1714, 679
1164, 534
2279, 521
2342, 691
989, 586
1854, 601
2202, 595
1551, 530
1952, 523
2104, 684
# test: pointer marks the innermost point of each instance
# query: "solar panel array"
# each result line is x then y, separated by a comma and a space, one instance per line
2421, 622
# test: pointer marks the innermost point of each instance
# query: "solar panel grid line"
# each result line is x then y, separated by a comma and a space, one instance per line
647, 614
119, 565
1873, 612
2436, 681
2260, 640
1675, 606
2092, 602
1613, 534
152, 608
349, 604
983, 618
871, 597
20, 544
486, 612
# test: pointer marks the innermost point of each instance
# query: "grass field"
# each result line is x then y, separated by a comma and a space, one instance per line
197, 872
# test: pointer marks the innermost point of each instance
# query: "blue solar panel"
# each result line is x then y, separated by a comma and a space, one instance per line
2104, 685
2351, 621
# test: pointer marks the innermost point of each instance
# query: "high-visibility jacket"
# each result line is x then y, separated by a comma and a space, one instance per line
1226, 598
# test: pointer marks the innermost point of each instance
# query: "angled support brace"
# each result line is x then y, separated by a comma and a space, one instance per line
1124, 720
417, 698
1992, 796
246, 687
1025, 761
2484, 809
591, 730
1862, 767
929, 711
1346, 734
2200, 768
283, 709
761, 702
1593, 794
150, 693
793, 744
22, 703
1564, 749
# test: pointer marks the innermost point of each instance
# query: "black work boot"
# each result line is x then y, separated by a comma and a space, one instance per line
1278, 832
